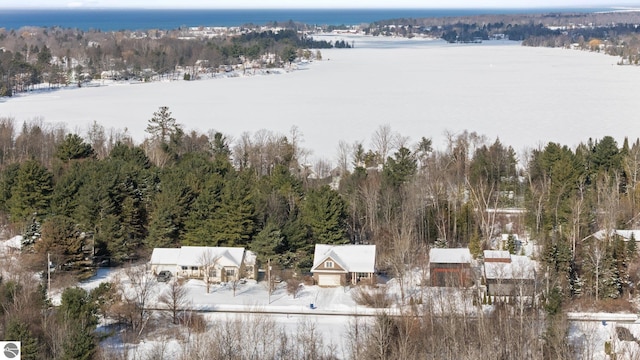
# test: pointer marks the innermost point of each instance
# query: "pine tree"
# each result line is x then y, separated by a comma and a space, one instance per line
511, 244
31, 193
78, 313
162, 125
19, 331
324, 211
74, 147
474, 245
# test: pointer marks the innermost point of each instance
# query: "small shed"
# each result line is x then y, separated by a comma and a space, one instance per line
450, 267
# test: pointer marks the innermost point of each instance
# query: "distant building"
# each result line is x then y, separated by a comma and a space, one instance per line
450, 267
508, 275
336, 265
626, 235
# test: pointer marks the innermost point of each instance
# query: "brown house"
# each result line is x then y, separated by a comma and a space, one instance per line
339, 265
450, 267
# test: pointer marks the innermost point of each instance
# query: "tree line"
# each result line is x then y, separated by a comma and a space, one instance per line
84, 199
59, 57
102, 196
613, 33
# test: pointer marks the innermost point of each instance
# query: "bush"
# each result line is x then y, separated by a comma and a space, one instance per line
371, 297
193, 321
293, 286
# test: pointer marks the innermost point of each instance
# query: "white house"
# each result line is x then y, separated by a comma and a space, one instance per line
335, 265
222, 263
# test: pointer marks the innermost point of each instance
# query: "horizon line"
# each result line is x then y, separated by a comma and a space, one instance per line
567, 7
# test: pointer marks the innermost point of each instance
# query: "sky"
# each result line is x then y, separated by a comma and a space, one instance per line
239, 4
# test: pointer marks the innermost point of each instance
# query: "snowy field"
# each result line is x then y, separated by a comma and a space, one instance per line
525, 96
330, 317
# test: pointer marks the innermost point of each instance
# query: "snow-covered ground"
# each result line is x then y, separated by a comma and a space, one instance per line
525, 96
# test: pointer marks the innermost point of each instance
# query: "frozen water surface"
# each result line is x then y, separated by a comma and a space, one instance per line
525, 96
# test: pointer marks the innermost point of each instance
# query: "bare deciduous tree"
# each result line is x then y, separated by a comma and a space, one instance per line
208, 262
175, 299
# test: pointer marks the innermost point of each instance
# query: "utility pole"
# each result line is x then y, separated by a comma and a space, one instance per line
269, 278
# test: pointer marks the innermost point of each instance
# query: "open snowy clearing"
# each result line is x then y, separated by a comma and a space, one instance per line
525, 96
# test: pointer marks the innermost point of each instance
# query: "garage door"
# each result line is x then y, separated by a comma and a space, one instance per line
329, 280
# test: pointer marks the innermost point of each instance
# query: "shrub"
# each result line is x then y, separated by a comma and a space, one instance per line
371, 297
195, 322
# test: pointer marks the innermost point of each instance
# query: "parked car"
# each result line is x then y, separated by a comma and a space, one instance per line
164, 276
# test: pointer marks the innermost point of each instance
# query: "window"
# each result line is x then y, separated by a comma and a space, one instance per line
184, 267
195, 268
231, 272
328, 264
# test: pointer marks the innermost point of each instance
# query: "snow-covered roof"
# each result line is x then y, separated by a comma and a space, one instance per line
625, 234
352, 258
195, 255
224, 256
520, 267
496, 254
505, 237
165, 256
450, 256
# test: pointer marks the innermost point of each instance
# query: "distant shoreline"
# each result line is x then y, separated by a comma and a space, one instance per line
169, 19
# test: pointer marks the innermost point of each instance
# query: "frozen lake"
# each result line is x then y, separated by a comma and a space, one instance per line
525, 96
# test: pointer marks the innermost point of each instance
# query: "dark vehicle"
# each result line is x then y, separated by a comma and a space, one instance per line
164, 276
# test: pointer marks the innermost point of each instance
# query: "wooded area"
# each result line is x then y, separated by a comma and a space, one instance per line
84, 199
60, 57
104, 197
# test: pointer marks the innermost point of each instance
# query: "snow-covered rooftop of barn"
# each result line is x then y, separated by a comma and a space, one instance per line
450, 256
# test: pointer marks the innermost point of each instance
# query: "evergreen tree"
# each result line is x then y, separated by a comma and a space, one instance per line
162, 125
8, 178
234, 221
268, 243
632, 247
78, 313
169, 210
19, 331
511, 244
474, 245
400, 168
31, 192
74, 147
324, 211
61, 238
